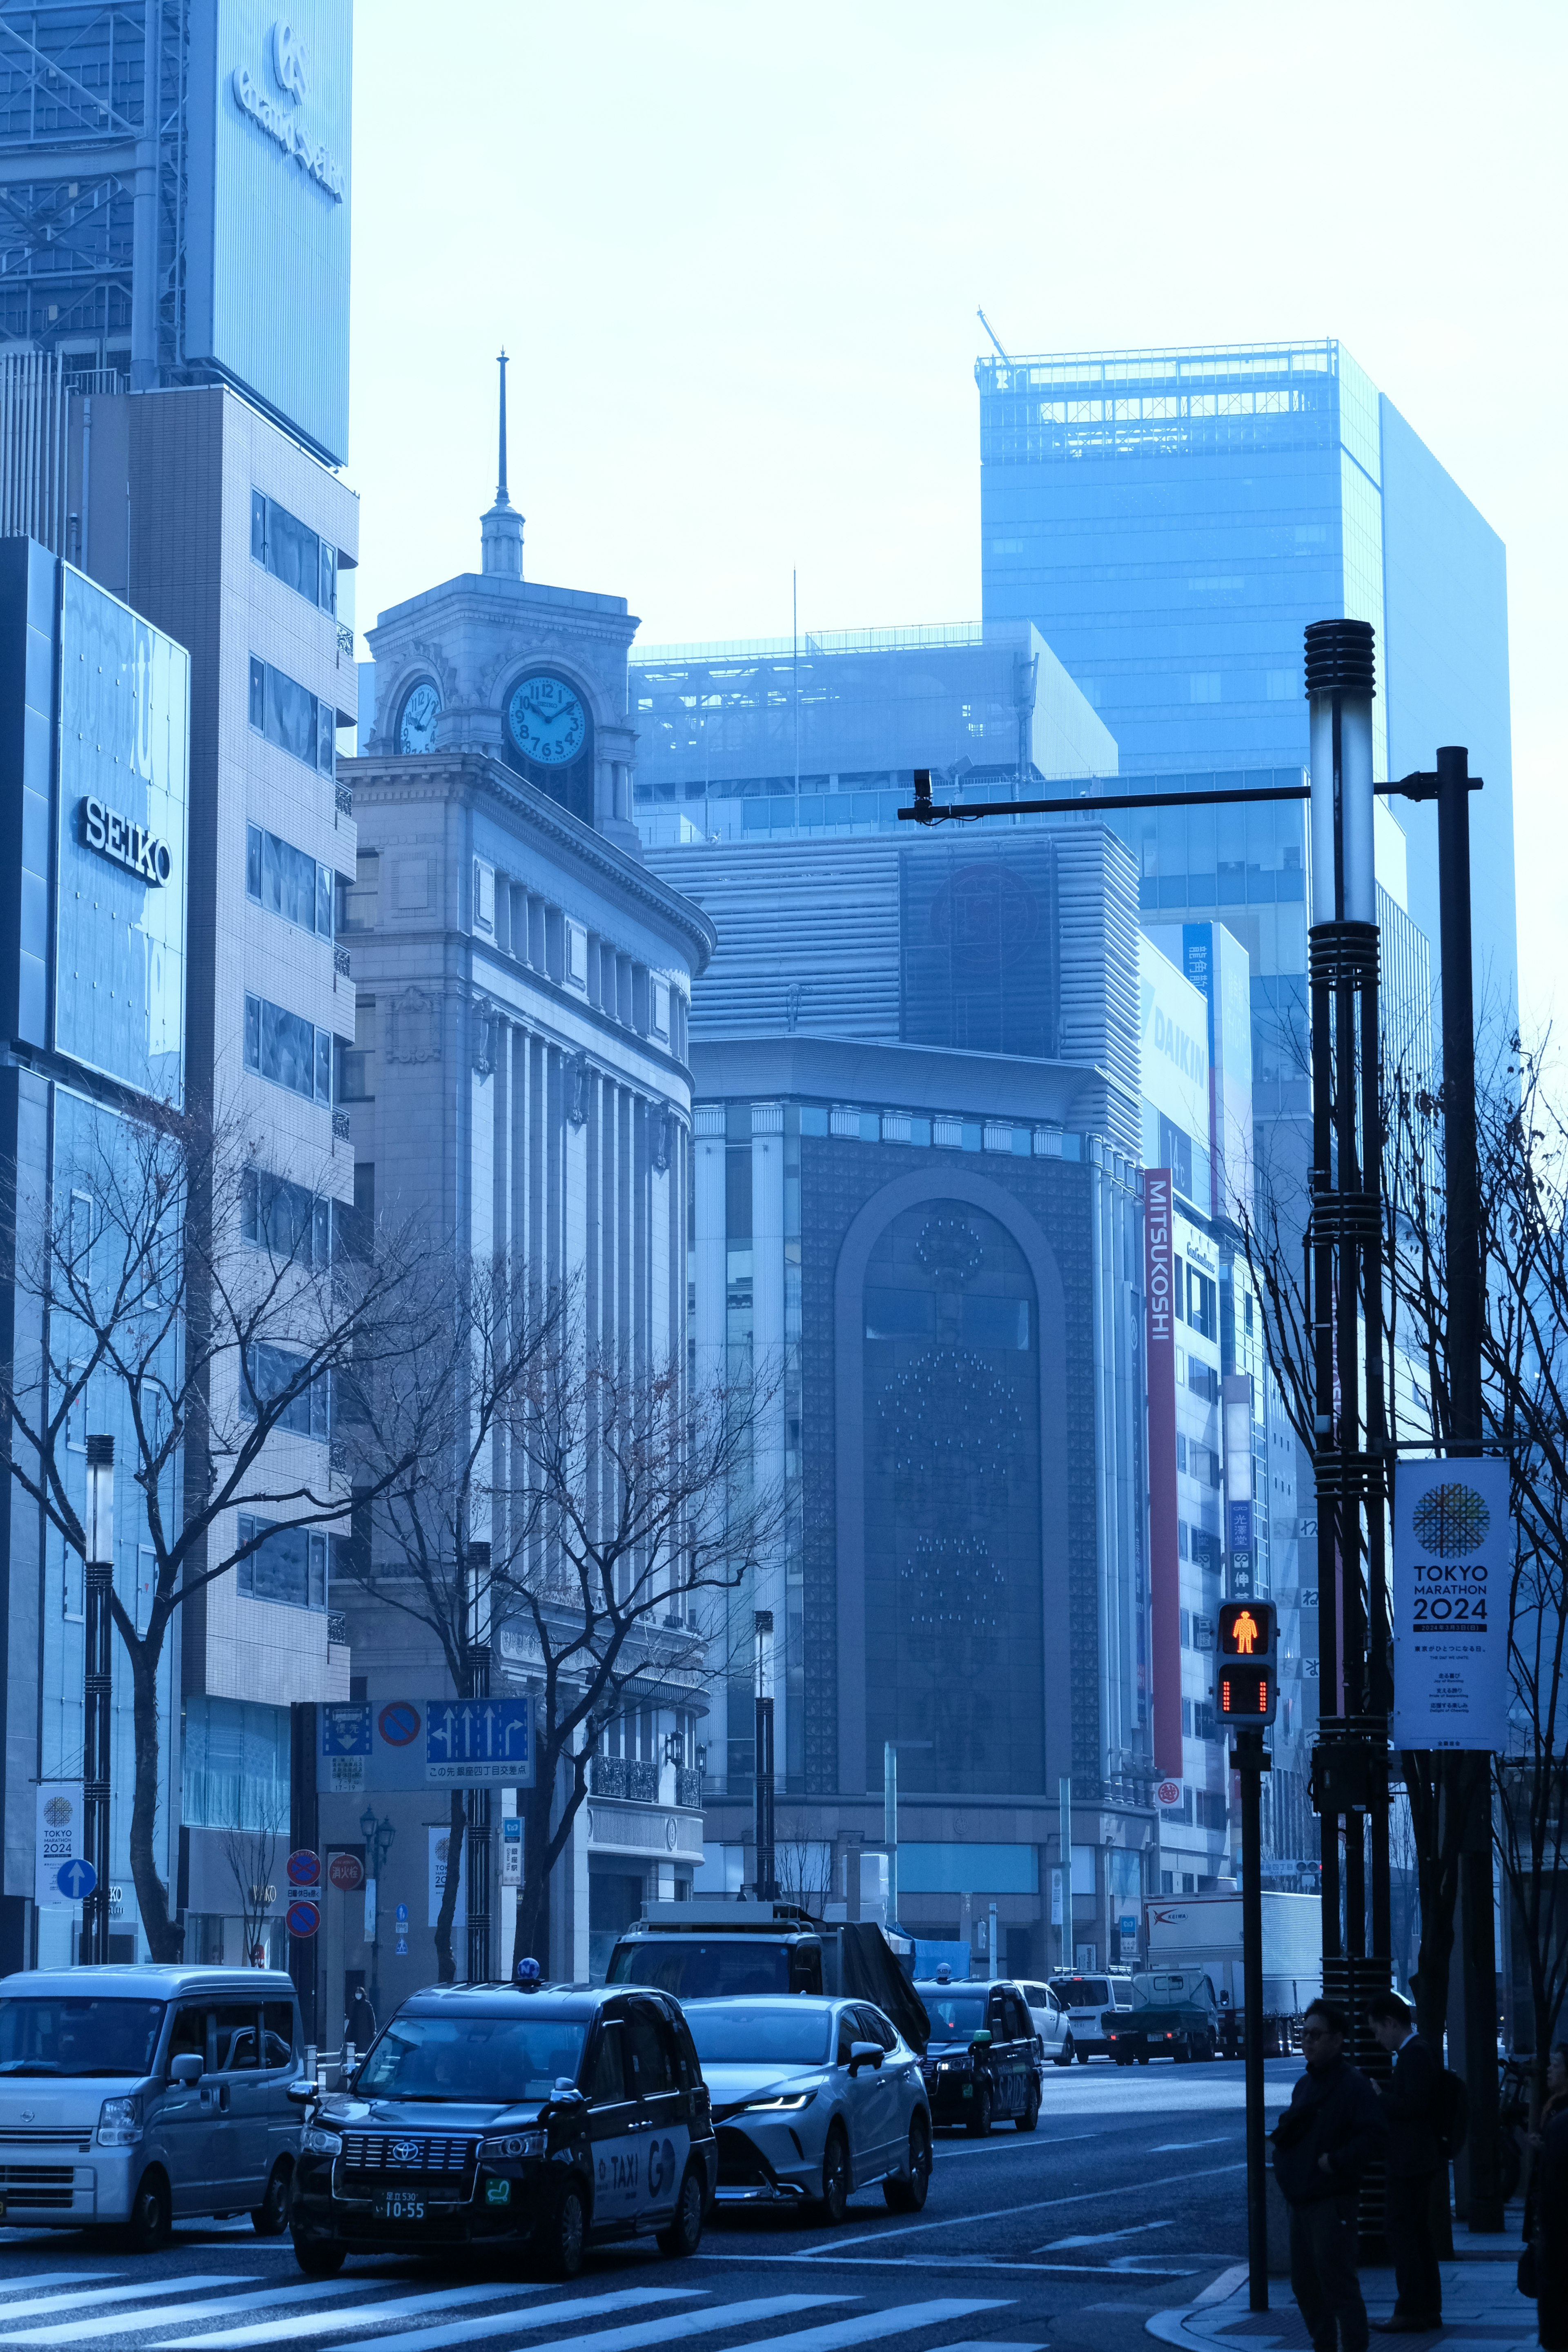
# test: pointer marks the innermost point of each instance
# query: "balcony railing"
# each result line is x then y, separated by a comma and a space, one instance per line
623, 1776
689, 1788
345, 800
338, 1629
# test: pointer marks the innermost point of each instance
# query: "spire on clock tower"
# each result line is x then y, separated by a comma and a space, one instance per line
501, 531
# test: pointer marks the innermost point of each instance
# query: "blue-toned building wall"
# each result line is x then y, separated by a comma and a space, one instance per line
94, 725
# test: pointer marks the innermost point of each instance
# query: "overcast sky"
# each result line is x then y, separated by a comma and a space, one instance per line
736, 249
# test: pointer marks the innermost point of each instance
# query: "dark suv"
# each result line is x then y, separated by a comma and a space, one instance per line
548, 2118
983, 2056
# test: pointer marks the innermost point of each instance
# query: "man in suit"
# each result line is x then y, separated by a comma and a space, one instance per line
1410, 2102
1322, 2143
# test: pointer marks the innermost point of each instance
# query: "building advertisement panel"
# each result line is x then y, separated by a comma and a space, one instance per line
267, 236
122, 797
1164, 1565
1453, 1542
1175, 1053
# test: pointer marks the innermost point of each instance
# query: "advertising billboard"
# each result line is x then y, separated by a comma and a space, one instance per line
267, 298
1165, 1566
123, 784
1453, 1550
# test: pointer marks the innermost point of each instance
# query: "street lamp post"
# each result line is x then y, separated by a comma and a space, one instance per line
891, 1816
378, 1836
763, 1768
97, 1691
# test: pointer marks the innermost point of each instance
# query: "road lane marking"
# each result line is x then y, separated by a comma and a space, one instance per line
66, 2278
871, 2327
1225, 2284
102, 2295
1198, 2264
325, 2322
1175, 2146
670, 2331
121, 2322
1036, 2205
1103, 2237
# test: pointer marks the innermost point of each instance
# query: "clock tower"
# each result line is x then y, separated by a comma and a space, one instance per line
531, 676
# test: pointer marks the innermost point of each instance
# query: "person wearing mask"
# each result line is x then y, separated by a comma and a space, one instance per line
1410, 2101
1322, 2143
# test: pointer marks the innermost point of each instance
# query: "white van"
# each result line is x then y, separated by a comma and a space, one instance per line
141, 2095
1085, 1998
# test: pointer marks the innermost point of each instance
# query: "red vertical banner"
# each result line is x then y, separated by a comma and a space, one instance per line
1164, 1565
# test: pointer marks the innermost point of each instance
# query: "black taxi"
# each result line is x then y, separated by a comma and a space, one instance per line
982, 2060
545, 2118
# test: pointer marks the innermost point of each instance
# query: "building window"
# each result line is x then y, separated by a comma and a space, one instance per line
291, 1222
289, 1050
1203, 1303
235, 1766
270, 1372
287, 1564
359, 901
293, 552
356, 1063
291, 716
288, 883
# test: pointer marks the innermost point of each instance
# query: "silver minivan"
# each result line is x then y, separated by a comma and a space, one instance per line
141, 2096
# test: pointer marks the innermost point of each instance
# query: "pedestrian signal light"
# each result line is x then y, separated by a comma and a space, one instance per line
1246, 1630
1246, 1676
1246, 1693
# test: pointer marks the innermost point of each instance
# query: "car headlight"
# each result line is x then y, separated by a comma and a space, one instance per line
514, 2145
792, 2101
120, 2122
317, 2142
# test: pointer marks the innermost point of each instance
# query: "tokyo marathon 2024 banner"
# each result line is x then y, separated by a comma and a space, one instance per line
1453, 1543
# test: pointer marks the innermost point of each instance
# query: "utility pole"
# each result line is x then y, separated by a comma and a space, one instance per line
762, 1776
97, 1694
1250, 1763
478, 1799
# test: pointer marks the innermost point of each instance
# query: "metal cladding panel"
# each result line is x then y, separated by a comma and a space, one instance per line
27, 602
271, 119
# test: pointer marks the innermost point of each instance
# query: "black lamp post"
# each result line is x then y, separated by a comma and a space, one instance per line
378, 1837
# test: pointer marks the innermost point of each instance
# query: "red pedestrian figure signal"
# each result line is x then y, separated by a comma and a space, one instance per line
1247, 1693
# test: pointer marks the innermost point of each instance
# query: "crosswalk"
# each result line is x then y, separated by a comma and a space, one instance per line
223, 2311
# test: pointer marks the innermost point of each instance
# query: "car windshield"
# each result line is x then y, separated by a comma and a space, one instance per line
71, 2034
1081, 1993
954, 2016
693, 1970
763, 2033
496, 2061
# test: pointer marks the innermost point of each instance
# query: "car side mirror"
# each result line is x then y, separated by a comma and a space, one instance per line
299, 2094
981, 2038
187, 2069
864, 2054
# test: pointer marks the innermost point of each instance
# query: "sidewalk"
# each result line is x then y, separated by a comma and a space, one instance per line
1482, 2309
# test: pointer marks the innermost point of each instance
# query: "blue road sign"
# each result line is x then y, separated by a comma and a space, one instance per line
345, 1731
479, 1740
402, 1948
76, 1879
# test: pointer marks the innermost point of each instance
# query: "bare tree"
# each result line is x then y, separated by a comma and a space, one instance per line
251, 1852
803, 1863
202, 1309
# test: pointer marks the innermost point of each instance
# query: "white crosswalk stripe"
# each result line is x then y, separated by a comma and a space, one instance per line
328, 2323
98, 2296
867, 2327
693, 2322
267, 2298
502, 2323
36, 2279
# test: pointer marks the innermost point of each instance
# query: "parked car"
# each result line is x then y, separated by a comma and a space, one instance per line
811, 2100
1059, 2041
1086, 1999
983, 2057
141, 2096
544, 2117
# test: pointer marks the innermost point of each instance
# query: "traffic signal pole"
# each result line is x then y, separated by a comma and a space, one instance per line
1250, 1764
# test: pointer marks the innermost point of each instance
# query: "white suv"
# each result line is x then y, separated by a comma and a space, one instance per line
1085, 1999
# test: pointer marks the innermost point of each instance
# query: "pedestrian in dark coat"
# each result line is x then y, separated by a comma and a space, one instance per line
1548, 2222
1322, 2143
1410, 2103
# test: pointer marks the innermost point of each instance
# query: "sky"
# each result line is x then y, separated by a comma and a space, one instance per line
735, 252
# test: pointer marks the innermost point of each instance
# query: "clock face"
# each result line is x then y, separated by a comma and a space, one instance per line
417, 725
547, 721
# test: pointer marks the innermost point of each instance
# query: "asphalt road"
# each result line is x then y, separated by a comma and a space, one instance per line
1128, 2199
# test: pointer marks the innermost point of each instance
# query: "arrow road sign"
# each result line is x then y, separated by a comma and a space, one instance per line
479, 1740
76, 1879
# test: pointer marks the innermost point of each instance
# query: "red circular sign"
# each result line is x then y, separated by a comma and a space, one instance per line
303, 1867
304, 1919
346, 1872
398, 1723
1169, 1792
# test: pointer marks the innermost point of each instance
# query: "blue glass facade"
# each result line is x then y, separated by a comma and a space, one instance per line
1170, 521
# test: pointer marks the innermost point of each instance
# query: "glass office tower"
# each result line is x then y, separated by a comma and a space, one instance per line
1170, 521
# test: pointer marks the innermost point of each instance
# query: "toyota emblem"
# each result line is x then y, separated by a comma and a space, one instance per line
404, 2151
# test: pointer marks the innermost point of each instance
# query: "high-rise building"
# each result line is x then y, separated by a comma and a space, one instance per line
1171, 520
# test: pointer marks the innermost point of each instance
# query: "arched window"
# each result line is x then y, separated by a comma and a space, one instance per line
953, 1573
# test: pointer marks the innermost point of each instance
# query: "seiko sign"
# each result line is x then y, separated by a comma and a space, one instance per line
131, 845
291, 72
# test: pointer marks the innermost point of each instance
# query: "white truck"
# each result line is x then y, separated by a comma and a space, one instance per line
1186, 1931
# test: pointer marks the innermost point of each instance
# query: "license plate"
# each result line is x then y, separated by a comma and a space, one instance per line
397, 2205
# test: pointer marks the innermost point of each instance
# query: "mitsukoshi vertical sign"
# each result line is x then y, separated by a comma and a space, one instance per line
1164, 1568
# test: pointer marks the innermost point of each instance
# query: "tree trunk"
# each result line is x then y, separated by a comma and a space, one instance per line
446, 1965
163, 1936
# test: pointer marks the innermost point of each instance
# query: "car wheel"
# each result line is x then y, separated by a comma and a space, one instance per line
1082, 2056
151, 2216
1143, 2057
835, 2197
979, 2120
1121, 2061
908, 2195
563, 2238
1031, 2114
1064, 2055
270, 2218
684, 2234
318, 2257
